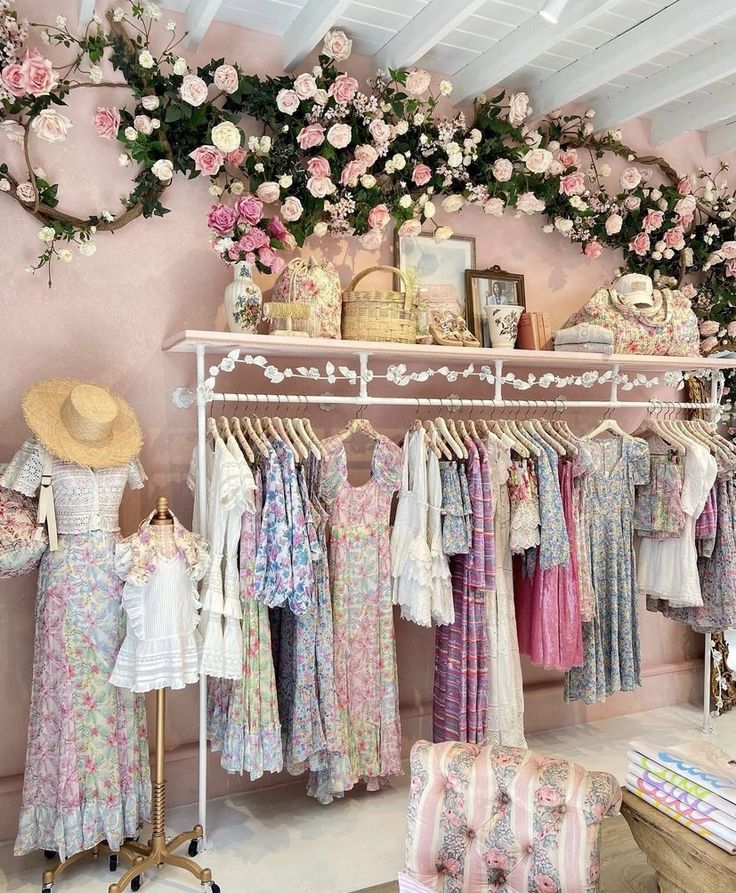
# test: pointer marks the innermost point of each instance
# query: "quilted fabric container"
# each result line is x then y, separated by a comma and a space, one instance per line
317, 285
485, 819
21, 543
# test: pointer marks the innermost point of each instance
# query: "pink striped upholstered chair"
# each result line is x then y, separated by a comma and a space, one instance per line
504, 819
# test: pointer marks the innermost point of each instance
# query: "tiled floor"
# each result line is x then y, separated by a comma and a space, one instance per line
277, 840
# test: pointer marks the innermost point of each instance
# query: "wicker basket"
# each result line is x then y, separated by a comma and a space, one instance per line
379, 315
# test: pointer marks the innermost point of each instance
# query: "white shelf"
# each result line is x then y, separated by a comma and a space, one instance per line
220, 343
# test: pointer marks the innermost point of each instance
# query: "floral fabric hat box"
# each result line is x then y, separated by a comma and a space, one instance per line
585, 338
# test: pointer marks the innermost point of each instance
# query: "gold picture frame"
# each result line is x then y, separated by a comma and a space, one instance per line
501, 287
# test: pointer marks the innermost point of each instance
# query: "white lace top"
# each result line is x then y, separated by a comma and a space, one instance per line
85, 499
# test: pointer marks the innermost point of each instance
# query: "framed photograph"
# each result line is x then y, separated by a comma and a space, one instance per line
491, 287
438, 269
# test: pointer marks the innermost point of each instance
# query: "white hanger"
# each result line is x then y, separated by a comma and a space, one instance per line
607, 426
240, 438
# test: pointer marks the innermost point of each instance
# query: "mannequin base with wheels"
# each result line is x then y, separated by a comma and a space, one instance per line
51, 875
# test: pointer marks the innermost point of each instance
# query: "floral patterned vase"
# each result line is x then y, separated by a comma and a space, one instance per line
503, 324
243, 300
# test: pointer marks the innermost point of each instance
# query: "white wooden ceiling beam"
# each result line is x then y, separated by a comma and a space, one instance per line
85, 11
523, 45
721, 140
200, 15
309, 27
661, 32
702, 112
420, 34
692, 73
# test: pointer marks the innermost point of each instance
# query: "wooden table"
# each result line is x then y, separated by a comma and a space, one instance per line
684, 861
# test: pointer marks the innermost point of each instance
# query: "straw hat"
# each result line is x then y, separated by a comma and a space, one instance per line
82, 422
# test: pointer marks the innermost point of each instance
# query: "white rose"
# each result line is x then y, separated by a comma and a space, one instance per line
180, 66
131, 134
65, 255
217, 190
291, 209
339, 135
538, 160
4, 185
528, 203
630, 178
124, 160
548, 228
95, 74
452, 203
305, 86
502, 169
26, 192
285, 181
268, 192
656, 194
399, 162
317, 71
226, 136
87, 249
442, 234
143, 124
337, 46
455, 159
614, 222
237, 188
563, 224
155, 123
368, 181
494, 207
445, 90
150, 103
51, 126
47, 234
429, 210
555, 169
418, 119
518, 108
287, 101
193, 90
320, 229
587, 128
163, 169
405, 201
380, 130
686, 205
145, 60
321, 97
226, 78
402, 127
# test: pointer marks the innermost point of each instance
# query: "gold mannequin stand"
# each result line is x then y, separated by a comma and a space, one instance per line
159, 852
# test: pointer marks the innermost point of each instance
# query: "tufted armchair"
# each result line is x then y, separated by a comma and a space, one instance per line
504, 819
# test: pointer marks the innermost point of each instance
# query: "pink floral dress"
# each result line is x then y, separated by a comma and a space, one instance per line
365, 652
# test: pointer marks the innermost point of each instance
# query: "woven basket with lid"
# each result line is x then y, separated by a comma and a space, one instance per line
383, 315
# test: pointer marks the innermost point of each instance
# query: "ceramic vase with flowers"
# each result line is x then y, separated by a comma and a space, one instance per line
503, 324
243, 300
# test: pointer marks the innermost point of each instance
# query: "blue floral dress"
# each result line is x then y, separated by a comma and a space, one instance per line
611, 639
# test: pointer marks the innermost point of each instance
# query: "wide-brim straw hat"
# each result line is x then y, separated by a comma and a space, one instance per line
82, 422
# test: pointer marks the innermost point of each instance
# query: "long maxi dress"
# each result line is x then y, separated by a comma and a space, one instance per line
87, 775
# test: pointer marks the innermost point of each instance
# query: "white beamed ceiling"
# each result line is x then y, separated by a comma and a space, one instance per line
372, 24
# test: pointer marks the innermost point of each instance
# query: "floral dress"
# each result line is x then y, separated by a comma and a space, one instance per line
365, 652
611, 639
87, 775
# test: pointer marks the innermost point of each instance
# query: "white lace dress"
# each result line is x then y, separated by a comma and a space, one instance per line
86, 775
505, 722
411, 561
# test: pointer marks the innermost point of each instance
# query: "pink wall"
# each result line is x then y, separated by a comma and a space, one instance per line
105, 320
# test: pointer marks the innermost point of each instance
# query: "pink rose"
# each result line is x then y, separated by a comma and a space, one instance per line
409, 229
630, 178
14, 80
572, 184
367, 154
278, 265
378, 217
684, 186
226, 78
502, 169
193, 90
421, 174
380, 130
266, 256
708, 344
528, 203
249, 241
339, 135
287, 101
236, 157
632, 202
291, 209
277, 229
593, 248
674, 237
547, 796
418, 81
222, 219
709, 327
107, 122
640, 244
730, 268
207, 160
310, 136
38, 74
320, 187
545, 884
305, 86
496, 858
689, 291
318, 167
494, 206
653, 220
249, 208
26, 192
343, 88
685, 220
371, 240
351, 173
268, 192
337, 46
568, 157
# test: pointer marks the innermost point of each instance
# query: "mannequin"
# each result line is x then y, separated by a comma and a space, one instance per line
636, 289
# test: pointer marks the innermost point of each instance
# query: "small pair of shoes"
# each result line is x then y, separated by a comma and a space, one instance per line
449, 329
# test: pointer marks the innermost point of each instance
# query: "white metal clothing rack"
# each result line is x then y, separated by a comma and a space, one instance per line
494, 371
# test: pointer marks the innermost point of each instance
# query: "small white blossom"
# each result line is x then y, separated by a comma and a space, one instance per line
155, 123
171, 25
180, 66
145, 59
237, 188
405, 201
259, 167
124, 160
317, 71
429, 210
47, 234
605, 170
445, 88
119, 14
96, 19
87, 249
61, 21
45, 37
131, 133
153, 10
285, 181
402, 127
4, 185
95, 74
215, 190
418, 119
368, 181
65, 255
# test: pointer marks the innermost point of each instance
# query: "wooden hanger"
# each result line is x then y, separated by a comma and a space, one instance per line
212, 429
533, 426
313, 437
503, 428
438, 444
224, 427
301, 447
453, 444
258, 441
570, 443
607, 426
240, 438
315, 447
356, 425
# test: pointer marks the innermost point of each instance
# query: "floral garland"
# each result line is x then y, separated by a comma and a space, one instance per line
337, 159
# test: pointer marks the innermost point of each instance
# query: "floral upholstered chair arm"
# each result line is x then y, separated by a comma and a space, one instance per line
504, 819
